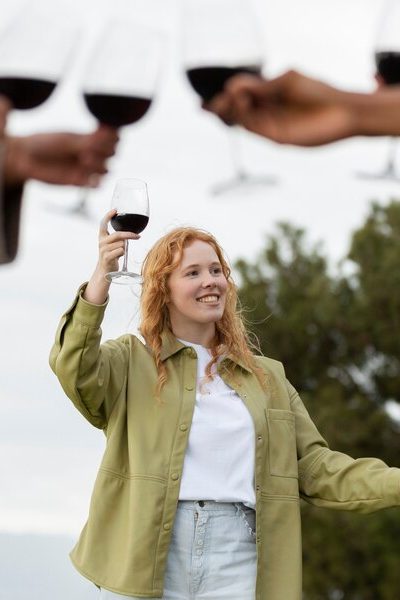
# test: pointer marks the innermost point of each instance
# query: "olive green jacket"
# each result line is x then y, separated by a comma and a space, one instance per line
124, 544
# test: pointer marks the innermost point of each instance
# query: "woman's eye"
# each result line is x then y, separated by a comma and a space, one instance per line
191, 273
217, 270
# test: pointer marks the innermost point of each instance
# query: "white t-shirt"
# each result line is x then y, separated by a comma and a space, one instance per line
219, 460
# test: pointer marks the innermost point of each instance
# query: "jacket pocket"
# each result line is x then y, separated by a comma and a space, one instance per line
282, 449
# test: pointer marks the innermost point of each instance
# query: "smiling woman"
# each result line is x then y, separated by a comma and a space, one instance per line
209, 447
197, 291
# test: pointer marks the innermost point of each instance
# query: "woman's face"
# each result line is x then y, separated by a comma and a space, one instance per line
197, 289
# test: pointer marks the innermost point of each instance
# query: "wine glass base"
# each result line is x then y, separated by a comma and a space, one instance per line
388, 175
243, 181
124, 277
79, 210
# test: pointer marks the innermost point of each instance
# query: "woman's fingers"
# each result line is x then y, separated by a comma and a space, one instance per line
111, 255
122, 235
117, 235
103, 229
112, 245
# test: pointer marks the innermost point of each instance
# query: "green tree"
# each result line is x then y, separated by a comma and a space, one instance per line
338, 337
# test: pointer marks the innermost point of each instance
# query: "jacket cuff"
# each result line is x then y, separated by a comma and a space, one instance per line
87, 313
392, 486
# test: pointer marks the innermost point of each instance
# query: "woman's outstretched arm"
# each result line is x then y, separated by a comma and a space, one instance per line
296, 109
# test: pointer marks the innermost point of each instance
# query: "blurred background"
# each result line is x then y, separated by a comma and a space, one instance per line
321, 298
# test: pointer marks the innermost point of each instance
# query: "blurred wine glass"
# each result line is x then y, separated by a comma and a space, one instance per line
387, 61
221, 39
34, 51
120, 79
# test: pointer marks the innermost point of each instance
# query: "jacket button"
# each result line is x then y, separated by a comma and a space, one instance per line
258, 488
259, 438
183, 427
189, 388
167, 526
175, 476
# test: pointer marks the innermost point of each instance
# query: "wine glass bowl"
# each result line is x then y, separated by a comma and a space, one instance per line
131, 201
221, 39
25, 93
122, 73
129, 222
120, 79
34, 51
116, 111
209, 81
388, 66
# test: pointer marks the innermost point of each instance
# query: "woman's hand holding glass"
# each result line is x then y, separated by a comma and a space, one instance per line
111, 248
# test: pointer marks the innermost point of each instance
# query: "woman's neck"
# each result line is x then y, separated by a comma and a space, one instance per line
203, 336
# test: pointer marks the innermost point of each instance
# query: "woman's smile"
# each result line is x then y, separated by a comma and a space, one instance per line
209, 299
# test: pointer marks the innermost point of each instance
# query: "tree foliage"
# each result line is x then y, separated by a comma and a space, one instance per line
338, 335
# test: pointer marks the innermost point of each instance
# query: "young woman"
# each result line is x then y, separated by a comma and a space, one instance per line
202, 436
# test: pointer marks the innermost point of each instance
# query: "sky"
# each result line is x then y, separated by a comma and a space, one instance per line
48, 453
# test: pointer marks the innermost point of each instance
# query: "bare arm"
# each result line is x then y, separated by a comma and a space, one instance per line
58, 158
299, 110
61, 158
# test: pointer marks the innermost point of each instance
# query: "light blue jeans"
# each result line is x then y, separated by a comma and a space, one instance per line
212, 555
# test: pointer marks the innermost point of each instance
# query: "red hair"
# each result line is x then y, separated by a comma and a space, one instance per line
231, 335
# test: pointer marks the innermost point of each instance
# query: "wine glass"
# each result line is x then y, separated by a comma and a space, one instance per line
120, 78
34, 50
221, 39
387, 61
131, 200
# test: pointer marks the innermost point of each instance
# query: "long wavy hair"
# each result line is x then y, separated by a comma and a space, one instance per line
231, 337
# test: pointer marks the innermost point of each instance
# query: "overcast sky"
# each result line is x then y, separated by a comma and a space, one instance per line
48, 453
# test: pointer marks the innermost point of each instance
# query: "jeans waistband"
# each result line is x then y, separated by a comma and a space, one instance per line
212, 505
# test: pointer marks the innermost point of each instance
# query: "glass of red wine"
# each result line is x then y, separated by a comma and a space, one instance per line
131, 200
121, 77
34, 50
221, 39
387, 61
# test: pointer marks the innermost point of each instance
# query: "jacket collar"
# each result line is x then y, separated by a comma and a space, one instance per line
170, 345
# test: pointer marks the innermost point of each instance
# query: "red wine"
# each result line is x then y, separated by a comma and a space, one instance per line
209, 81
388, 66
24, 92
117, 110
129, 222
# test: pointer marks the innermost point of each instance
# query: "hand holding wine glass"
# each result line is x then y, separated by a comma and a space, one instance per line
131, 202
111, 248
128, 216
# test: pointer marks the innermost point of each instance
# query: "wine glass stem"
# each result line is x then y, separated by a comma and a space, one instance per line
392, 154
125, 264
236, 152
